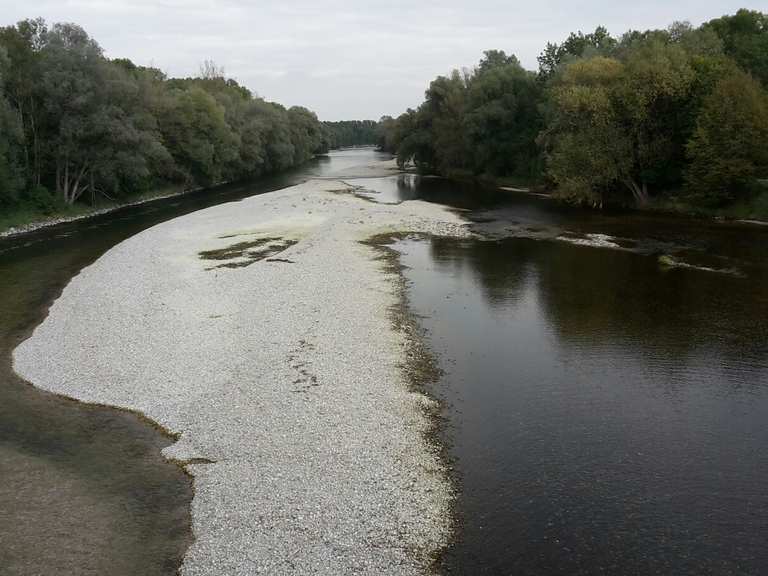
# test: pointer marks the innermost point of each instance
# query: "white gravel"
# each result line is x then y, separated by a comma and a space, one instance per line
285, 375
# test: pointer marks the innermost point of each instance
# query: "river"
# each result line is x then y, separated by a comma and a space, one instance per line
604, 408
605, 411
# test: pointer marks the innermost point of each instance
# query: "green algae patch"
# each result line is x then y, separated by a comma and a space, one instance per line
244, 254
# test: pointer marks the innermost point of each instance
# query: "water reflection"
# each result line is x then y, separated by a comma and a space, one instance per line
404, 187
607, 415
391, 190
600, 295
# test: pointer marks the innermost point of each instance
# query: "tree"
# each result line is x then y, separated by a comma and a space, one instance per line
197, 135
386, 131
350, 133
443, 112
76, 122
306, 134
502, 118
745, 39
627, 115
578, 44
589, 153
11, 179
24, 44
97, 133
728, 150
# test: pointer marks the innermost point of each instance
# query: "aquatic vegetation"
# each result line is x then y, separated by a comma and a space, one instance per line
244, 254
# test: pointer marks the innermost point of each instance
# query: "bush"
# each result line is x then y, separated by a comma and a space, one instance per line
41, 200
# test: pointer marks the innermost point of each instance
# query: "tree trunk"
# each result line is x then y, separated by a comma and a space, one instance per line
27, 163
36, 176
77, 190
65, 182
640, 192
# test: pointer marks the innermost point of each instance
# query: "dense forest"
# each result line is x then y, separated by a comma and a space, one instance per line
647, 117
348, 133
679, 114
76, 126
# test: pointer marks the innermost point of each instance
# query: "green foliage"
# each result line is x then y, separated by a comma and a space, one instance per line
193, 125
599, 42
745, 39
39, 199
350, 133
605, 120
10, 138
729, 149
76, 123
472, 124
306, 134
589, 152
502, 118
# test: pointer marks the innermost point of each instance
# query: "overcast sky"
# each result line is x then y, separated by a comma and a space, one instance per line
345, 60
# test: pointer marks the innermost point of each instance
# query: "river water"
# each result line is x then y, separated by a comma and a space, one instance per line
605, 388
84, 489
605, 409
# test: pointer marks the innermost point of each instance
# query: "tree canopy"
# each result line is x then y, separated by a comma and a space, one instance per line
75, 124
347, 133
606, 120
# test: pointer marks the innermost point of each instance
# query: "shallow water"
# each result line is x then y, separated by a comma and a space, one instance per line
606, 413
84, 489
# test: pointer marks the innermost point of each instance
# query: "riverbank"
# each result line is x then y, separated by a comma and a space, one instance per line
754, 211
751, 211
22, 221
28, 220
261, 332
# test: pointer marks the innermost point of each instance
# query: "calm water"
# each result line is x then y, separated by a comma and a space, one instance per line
606, 414
84, 489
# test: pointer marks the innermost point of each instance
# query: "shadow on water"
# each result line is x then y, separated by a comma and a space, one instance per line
606, 414
400, 188
84, 489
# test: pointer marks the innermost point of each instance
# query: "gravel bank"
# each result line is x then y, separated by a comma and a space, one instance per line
282, 376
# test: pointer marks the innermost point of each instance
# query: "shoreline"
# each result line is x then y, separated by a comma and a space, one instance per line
23, 229
201, 458
422, 370
720, 216
380, 169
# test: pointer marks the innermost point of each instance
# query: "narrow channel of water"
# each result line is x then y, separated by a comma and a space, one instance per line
84, 489
607, 412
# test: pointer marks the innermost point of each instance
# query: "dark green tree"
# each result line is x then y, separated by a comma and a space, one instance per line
745, 39
11, 178
729, 149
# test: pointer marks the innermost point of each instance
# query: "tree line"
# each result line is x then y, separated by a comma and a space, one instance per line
607, 120
75, 125
348, 133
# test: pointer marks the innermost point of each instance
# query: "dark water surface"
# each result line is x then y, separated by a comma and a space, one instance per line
84, 489
607, 414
